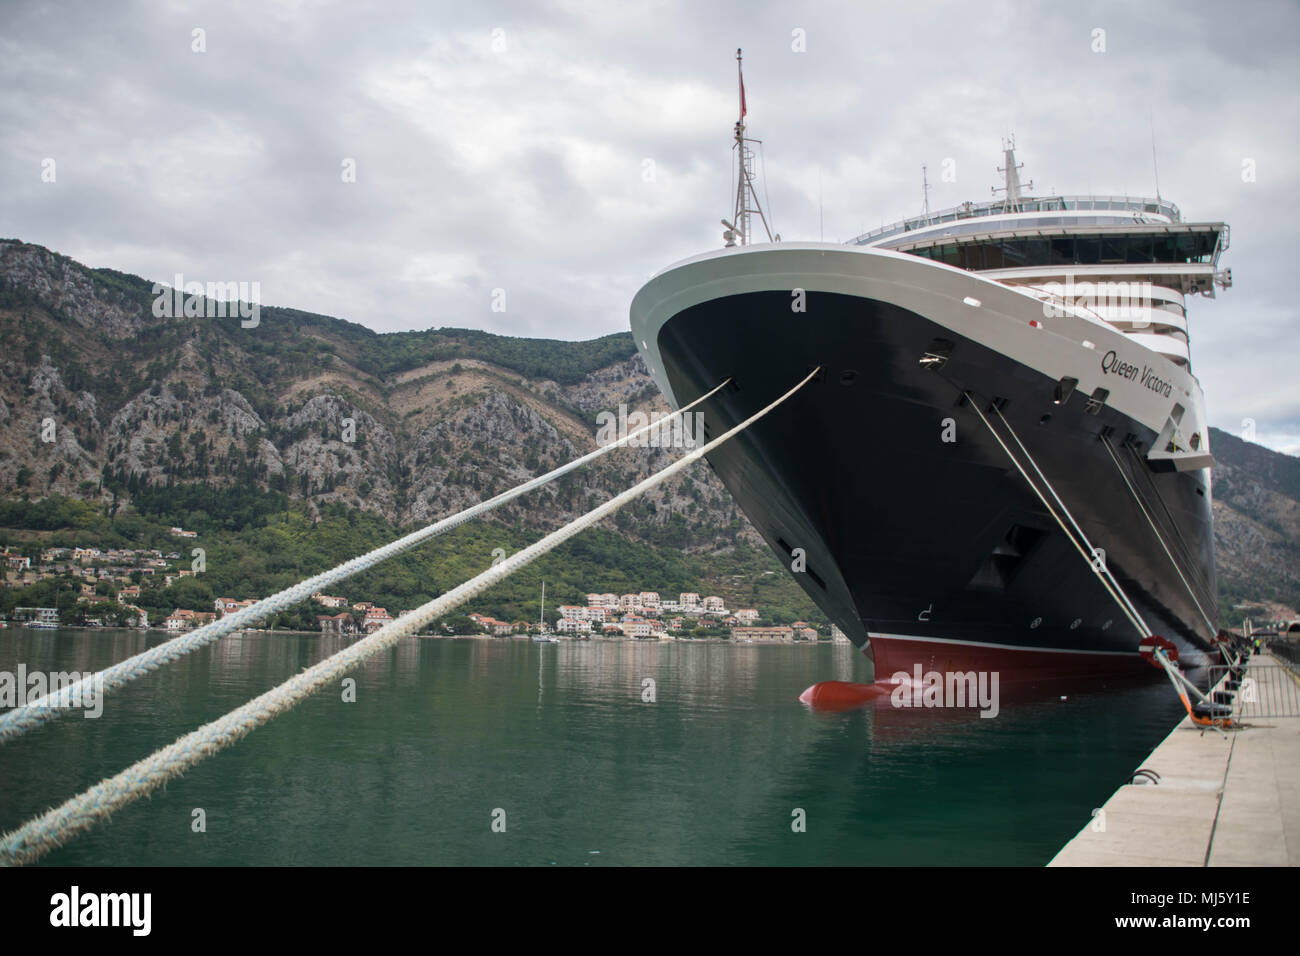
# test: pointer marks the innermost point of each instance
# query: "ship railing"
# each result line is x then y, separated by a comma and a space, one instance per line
1026, 204
1263, 687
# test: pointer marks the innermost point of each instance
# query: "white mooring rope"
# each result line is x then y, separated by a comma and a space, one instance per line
1214, 629
1115, 592
57, 826
15, 723
1105, 570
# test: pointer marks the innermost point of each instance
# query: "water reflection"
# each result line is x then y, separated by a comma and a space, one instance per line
561, 738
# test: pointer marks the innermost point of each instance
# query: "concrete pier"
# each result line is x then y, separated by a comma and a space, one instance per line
1219, 802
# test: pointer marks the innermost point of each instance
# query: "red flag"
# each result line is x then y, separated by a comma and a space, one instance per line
743, 111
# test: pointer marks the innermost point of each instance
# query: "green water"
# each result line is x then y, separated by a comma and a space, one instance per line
443, 733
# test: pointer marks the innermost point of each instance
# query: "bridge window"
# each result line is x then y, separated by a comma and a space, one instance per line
1140, 249
1073, 250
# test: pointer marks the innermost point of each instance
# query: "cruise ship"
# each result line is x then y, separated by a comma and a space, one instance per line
1002, 460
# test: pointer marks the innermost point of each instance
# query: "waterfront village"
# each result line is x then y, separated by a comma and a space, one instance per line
110, 580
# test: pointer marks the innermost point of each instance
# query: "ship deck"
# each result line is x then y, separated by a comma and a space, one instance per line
1231, 801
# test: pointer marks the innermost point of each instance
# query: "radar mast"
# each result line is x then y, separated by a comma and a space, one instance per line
747, 206
1011, 184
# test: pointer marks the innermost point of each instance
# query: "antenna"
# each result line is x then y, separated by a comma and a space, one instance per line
747, 205
925, 192
1012, 186
1154, 166
821, 217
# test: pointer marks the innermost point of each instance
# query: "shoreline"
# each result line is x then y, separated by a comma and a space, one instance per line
602, 639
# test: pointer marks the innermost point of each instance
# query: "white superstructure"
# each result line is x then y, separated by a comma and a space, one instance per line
1128, 261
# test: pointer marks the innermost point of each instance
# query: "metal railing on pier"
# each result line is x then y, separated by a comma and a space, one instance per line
1265, 687
1286, 652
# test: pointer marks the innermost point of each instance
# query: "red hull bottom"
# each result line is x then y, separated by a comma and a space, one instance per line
895, 654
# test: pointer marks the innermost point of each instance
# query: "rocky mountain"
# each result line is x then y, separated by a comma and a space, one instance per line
1256, 525
101, 399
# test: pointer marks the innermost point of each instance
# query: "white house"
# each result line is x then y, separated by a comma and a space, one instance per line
636, 627
376, 617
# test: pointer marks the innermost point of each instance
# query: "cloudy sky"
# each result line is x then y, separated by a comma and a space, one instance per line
564, 152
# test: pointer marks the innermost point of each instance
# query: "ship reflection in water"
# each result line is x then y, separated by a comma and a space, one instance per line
598, 754
925, 705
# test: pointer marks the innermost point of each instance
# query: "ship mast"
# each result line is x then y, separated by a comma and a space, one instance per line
1012, 182
746, 205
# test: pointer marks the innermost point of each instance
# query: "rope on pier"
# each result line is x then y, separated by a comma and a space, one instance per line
15, 723
57, 826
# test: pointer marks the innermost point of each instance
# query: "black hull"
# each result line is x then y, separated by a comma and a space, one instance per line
906, 534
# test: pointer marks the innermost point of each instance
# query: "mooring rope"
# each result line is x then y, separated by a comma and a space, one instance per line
1214, 629
1105, 570
57, 826
1120, 598
15, 723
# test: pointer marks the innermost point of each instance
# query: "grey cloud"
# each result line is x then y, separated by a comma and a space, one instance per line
522, 169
